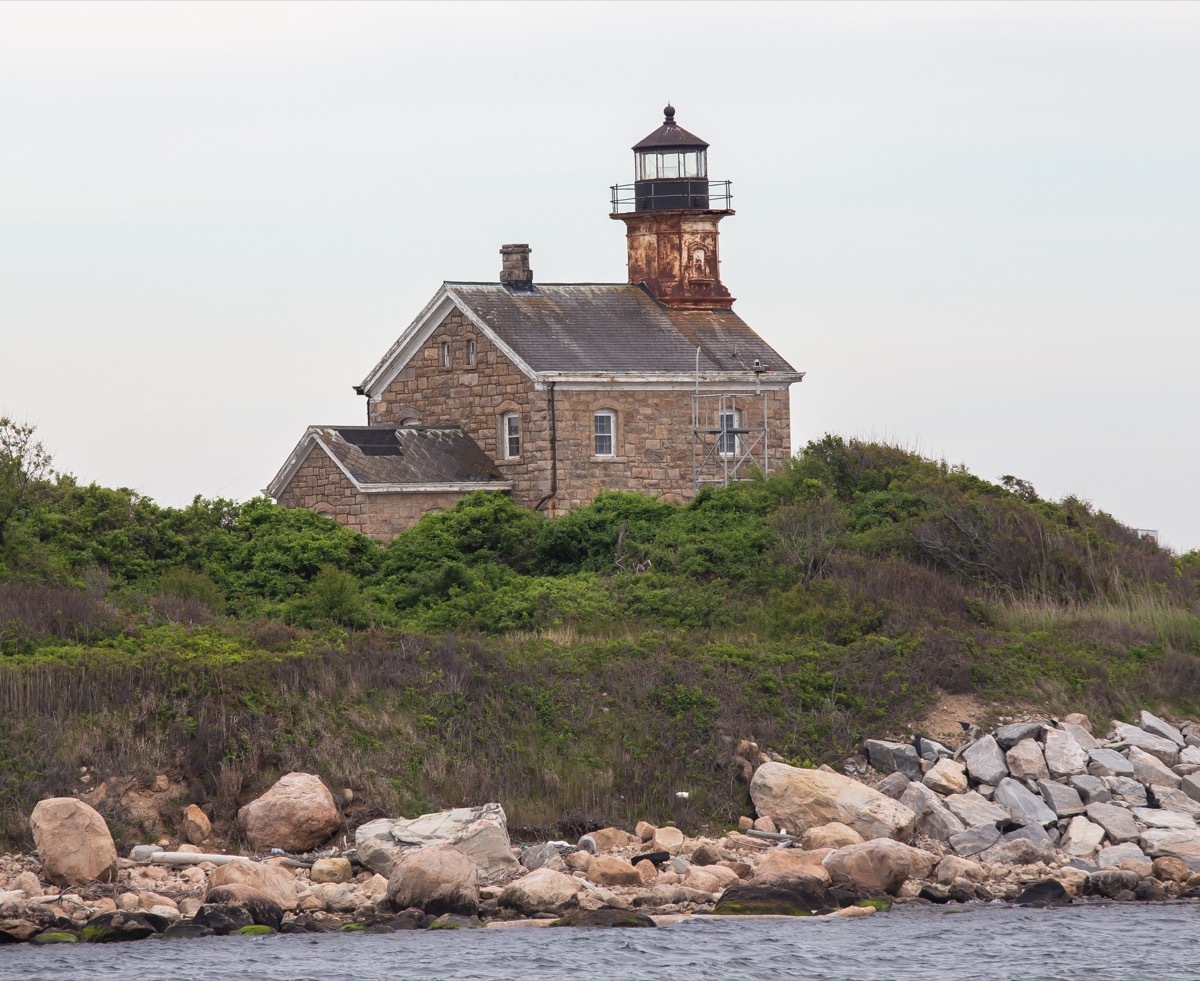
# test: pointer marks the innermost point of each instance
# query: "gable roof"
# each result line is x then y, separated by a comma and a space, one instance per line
604, 328
409, 458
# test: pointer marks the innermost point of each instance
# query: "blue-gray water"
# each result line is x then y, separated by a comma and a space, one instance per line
1114, 943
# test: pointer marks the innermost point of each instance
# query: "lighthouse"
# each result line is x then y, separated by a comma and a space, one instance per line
671, 213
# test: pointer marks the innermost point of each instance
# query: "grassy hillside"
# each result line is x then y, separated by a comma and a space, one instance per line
580, 670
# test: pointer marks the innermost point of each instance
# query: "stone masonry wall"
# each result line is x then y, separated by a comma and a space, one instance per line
653, 446
320, 486
473, 397
653, 439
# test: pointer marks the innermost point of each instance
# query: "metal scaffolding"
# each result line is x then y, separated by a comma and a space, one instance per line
729, 437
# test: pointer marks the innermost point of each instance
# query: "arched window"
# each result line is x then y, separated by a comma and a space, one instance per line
510, 435
604, 433
470, 351
446, 362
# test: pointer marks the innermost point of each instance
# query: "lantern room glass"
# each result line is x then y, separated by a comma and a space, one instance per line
655, 165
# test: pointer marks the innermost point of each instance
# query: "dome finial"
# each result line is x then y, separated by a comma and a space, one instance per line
669, 113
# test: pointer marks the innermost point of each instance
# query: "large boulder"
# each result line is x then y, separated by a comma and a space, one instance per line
793, 897
1024, 807
799, 799
1025, 761
985, 761
1165, 749
933, 819
1104, 762
1064, 756
73, 842
1148, 769
608, 870
296, 814
878, 866
1061, 799
947, 777
274, 882
973, 809
1127, 856
262, 908
21, 920
1117, 822
480, 833
542, 891
195, 825
437, 879
1008, 736
832, 835
783, 864
1184, 845
890, 757
1158, 727
1083, 837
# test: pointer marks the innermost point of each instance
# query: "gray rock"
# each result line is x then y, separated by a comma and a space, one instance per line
1109, 883
680, 865
1190, 785
480, 833
972, 810
1011, 734
1174, 800
985, 761
1108, 763
1031, 832
1061, 799
1116, 821
1149, 769
1154, 817
933, 819
1190, 754
889, 757
1127, 789
975, 840
1083, 837
931, 750
1026, 762
1020, 851
537, 856
893, 785
1183, 845
1021, 805
1064, 756
1090, 789
1164, 749
1086, 740
1157, 727
1128, 856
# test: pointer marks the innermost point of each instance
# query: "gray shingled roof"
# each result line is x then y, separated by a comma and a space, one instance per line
408, 455
615, 327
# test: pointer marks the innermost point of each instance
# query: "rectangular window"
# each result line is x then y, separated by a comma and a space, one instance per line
470, 352
511, 429
604, 430
727, 441
445, 354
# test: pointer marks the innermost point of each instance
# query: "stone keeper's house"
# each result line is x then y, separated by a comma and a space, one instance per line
551, 392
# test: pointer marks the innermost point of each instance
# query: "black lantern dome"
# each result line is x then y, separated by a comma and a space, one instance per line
670, 169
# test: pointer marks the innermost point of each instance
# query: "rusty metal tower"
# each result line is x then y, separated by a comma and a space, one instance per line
671, 212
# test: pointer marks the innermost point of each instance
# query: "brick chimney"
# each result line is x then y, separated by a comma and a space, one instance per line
515, 273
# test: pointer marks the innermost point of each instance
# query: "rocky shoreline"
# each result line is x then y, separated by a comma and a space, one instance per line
1036, 812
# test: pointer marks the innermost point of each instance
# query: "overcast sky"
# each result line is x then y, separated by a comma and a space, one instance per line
975, 226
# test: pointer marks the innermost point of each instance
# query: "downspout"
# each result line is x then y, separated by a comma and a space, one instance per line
553, 453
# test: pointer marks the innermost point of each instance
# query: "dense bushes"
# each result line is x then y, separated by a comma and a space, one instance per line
581, 668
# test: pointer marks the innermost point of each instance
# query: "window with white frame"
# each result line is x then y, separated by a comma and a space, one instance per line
510, 434
445, 354
470, 351
604, 428
727, 442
